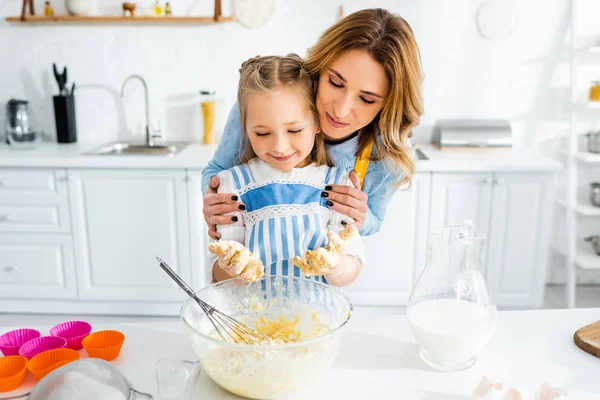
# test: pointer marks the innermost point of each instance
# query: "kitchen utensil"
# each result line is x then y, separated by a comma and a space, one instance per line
61, 80
593, 142
595, 193
276, 370
73, 332
588, 338
11, 342
228, 328
595, 241
472, 134
47, 361
19, 132
450, 311
40, 345
104, 344
12, 372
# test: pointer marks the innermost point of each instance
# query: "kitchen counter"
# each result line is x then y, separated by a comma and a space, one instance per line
196, 156
378, 359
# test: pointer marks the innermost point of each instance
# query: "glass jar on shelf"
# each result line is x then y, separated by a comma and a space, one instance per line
208, 107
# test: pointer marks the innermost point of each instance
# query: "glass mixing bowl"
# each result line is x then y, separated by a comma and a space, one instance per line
273, 370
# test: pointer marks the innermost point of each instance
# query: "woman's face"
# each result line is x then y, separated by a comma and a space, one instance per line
352, 90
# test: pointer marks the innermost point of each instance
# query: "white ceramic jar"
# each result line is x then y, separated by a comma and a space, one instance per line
78, 7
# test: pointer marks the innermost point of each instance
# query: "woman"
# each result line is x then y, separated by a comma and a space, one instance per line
368, 76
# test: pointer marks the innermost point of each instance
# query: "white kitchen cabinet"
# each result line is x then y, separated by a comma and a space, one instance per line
456, 197
519, 237
123, 220
34, 200
398, 250
37, 266
513, 211
198, 231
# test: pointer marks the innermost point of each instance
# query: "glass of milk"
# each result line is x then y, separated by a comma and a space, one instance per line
450, 311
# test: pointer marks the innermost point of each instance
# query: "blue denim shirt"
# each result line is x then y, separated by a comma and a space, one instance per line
378, 182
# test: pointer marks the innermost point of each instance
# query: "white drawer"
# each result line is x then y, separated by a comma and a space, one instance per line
37, 266
27, 181
34, 218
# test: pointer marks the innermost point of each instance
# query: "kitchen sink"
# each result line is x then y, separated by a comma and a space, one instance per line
125, 148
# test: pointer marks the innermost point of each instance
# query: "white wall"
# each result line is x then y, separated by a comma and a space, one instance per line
465, 74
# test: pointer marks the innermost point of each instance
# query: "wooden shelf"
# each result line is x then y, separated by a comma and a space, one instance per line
119, 19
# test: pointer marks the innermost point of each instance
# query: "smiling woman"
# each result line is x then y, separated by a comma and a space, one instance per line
367, 74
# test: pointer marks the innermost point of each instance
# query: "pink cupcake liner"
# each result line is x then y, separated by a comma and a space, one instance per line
11, 342
41, 344
73, 332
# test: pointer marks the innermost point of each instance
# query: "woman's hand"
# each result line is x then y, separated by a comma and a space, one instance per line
349, 201
216, 205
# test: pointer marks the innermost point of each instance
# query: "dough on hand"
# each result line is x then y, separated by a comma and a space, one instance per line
237, 260
325, 259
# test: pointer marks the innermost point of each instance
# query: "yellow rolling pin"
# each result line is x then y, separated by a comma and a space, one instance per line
362, 163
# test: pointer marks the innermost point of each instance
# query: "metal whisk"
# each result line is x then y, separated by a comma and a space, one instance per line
228, 328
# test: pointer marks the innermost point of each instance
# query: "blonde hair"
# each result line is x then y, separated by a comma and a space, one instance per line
266, 74
389, 39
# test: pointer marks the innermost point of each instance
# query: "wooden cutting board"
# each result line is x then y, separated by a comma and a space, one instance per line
588, 338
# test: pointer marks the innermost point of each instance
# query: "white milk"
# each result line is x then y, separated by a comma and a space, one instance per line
451, 330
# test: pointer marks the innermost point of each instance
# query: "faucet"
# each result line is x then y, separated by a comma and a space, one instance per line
149, 136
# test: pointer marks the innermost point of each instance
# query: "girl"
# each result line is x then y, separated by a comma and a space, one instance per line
367, 68
285, 168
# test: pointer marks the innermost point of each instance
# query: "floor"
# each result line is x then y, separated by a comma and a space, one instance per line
587, 296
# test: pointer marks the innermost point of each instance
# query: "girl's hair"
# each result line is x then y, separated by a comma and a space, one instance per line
266, 74
389, 39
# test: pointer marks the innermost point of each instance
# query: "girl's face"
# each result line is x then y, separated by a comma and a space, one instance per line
281, 128
352, 90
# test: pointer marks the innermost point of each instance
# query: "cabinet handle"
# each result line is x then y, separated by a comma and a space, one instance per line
487, 181
9, 268
3, 218
1, 183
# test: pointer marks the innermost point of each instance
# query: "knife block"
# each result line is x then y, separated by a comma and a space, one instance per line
64, 115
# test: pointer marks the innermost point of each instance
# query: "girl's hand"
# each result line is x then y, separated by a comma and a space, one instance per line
216, 205
349, 201
325, 259
237, 260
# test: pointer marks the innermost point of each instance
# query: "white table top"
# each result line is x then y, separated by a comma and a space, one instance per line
379, 358
196, 156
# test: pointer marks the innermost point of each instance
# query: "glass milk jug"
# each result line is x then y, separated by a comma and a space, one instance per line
450, 311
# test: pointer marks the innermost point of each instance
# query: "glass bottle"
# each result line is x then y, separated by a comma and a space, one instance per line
168, 10
48, 10
450, 310
208, 107
158, 11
